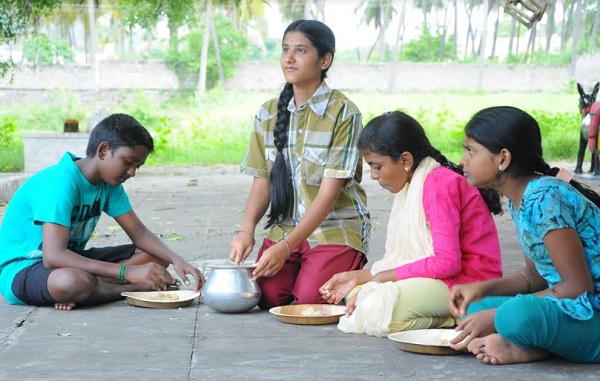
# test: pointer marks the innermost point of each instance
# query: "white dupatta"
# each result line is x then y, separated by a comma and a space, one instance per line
408, 240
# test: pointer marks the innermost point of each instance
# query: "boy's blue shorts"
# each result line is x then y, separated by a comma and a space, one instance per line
31, 284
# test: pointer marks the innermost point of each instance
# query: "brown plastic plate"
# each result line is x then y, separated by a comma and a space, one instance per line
426, 341
160, 299
309, 314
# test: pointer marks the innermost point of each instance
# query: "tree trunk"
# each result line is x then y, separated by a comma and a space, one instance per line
308, 10
93, 45
399, 35
482, 44
443, 39
550, 10
173, 36
594, 28
204, 54
577, 29
518, 38
566, 21
455, 37
496, 28
512, 35
531, 42
470, 34
379, 36
384, 28
215, 38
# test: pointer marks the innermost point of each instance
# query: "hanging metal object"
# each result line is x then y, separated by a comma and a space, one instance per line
527, 12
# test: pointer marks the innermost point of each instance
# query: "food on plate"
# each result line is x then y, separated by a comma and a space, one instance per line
311, 312
441, 341
162, 297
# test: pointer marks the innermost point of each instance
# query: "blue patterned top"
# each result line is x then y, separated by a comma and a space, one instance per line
549, 203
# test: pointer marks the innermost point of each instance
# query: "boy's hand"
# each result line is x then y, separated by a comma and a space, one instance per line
150, 276
183, 269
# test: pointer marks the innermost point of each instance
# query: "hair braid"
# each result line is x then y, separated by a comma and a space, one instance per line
582, 188
280, 184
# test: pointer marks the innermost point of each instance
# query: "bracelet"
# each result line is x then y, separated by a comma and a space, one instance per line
528, 281
288, 246
244, 231
122, 272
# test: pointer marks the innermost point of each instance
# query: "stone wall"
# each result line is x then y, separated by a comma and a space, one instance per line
119, 80
414, 77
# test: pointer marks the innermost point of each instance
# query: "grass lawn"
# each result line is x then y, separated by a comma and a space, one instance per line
215, 129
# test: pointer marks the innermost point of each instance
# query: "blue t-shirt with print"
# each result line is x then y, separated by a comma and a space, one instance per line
59, 194
548, 204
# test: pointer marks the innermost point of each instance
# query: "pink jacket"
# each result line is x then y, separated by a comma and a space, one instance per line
465, 240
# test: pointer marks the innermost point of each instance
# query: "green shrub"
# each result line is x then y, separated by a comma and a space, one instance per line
186, 62
41, 49
11, 146
427, 48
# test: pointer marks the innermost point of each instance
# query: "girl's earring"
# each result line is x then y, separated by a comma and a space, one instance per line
406, 169
500, 168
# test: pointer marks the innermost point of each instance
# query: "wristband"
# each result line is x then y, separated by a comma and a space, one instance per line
122, 272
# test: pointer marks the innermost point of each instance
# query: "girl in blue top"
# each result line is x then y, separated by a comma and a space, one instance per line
552, 305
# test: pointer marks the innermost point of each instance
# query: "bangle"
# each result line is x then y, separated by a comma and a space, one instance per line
528, 281
122, 272
244, 231
555, 293
287, 244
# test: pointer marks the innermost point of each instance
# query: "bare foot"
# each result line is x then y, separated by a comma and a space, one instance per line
493, 349
64, 306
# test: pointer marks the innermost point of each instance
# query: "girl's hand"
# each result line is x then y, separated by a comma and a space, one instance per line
241, 246
351, 305
476, 325
150, 276
340, 285
271, 261
183, 269
462, 295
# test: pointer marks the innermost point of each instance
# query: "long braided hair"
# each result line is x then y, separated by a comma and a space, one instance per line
395, 132
508, 127
281, 189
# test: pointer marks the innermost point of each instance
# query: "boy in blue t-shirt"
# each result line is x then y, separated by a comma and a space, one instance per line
51, 217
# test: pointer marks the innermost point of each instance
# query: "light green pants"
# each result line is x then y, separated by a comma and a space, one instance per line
422, 304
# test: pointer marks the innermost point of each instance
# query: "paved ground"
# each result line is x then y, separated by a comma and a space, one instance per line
196, 210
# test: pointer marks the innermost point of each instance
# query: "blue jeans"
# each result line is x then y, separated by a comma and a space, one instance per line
532, 322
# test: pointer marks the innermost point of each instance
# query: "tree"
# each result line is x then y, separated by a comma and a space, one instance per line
399, 37
577, 31
292, 9
594, 27
204, 55
380, 13
550, 9
18, 19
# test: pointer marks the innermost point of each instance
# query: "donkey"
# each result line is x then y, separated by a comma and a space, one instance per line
589, 109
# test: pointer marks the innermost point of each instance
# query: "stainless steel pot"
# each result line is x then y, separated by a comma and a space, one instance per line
229, 288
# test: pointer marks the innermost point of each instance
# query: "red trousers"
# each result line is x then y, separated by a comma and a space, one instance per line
305, 271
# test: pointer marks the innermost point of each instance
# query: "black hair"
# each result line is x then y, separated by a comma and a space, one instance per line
281, 189
507, 127
393, 133
119, 130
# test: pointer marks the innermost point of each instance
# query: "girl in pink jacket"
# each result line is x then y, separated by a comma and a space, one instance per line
440, 233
